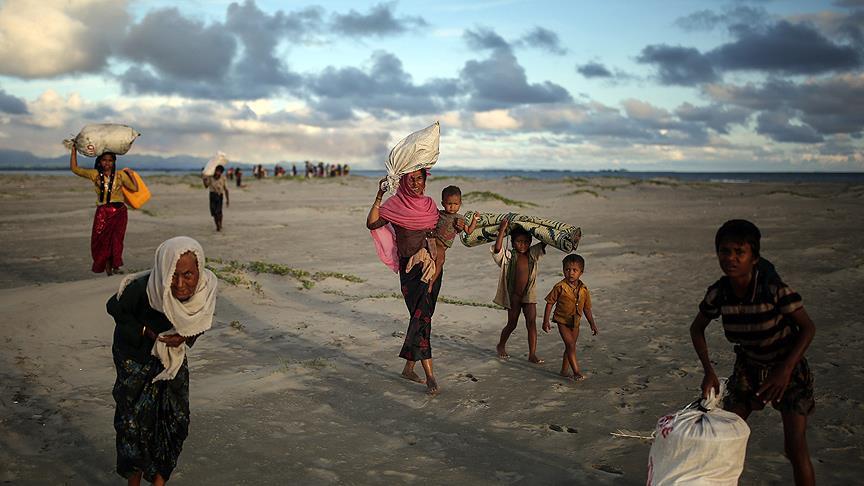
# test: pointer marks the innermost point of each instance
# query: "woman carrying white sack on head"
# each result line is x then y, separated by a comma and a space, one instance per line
159, 313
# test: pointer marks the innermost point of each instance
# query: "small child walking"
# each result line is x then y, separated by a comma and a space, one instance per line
766, 321
450, 224
218, 190
516, 286
571, 300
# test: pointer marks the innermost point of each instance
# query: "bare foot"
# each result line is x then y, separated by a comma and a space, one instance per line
534, 359
578, 377
108, 271
502, 353
432, 387
410, 375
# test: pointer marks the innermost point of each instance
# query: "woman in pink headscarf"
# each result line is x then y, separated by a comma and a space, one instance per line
401, 228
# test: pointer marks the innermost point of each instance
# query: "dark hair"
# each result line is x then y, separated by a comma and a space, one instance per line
739, 231
219, 168
573, 258
518, 231
425, 173
450, 191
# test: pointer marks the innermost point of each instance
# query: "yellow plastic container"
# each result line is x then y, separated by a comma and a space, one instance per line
136, 199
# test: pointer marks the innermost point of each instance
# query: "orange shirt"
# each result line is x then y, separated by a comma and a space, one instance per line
570, 302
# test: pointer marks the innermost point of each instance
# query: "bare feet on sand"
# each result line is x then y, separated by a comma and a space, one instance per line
502, 353
432, 387
534, 359
410, 375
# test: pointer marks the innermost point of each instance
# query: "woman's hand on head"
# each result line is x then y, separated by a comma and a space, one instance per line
381, 190
172, 340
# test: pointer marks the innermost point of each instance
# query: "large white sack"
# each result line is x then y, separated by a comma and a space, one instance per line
414, 152
699, 445
94, 140
218, 159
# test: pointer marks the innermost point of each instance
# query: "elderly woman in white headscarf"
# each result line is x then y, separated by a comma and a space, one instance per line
159, 313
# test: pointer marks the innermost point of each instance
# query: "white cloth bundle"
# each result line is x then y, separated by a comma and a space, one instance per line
698, 445
218, 159
414, 152
94, 140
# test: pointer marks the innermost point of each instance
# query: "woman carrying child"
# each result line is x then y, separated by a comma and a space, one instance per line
412, 217
109, 222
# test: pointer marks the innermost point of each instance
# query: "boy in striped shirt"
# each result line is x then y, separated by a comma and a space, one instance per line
766, 321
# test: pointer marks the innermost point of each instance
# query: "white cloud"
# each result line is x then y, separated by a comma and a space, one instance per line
495, 120
48, 38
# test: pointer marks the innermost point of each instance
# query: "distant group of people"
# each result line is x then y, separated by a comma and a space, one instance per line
326, 170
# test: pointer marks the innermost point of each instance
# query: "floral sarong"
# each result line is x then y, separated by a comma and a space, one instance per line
421, 306
151, 419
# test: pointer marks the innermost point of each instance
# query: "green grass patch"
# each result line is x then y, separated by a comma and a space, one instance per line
152, 214
319, 276
790, 193
478, 196
394, 295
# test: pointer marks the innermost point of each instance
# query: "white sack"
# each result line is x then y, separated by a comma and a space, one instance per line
414, 152
699, 446
94, 140
218, 159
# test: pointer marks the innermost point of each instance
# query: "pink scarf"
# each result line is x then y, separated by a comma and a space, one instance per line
407, 210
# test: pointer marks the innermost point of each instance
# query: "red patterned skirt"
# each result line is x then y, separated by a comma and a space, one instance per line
106, 241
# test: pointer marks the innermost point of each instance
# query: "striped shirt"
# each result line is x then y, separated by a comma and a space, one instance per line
759, 323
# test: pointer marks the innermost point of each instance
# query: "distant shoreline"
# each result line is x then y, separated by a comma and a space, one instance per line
552, 175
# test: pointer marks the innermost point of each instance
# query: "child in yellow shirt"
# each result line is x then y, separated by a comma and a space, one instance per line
571, 299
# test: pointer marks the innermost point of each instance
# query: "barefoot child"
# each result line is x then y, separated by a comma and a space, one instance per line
571, 299
450, 224
516, 285
217, 189
766, 321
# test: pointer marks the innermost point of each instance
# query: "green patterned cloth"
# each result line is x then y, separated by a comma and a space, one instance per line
562, 236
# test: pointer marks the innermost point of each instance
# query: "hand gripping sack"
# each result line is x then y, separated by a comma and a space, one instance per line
414, 152
699, 445
138, 198
94, 140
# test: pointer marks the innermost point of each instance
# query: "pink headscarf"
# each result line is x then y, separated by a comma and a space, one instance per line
408, 210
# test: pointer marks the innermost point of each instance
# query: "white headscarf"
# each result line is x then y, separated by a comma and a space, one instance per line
189, 318
196, 314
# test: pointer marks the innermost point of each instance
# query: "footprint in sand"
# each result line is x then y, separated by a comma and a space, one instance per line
467, 377
563, 428
608, 469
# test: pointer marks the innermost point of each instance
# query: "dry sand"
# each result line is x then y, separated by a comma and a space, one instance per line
298, 380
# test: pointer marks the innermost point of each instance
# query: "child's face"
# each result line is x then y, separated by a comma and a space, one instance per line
572, 272
521, 243
452, 203
217, 174
736, 258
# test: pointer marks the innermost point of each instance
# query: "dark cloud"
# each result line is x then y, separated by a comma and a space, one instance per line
594, 70
500, 82
542, 38
483, 38
12, 104
676, 65
180, 47
181, 56
849, 3
379, 21
716, 117
827, 107
384, 88
786, 48
777, 126
706, 20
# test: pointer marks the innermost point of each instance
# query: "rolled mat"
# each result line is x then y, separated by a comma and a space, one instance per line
562, 236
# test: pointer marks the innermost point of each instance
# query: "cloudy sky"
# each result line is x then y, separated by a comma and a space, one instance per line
583, 85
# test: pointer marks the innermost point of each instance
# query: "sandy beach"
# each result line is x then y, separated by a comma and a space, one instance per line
298, 381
